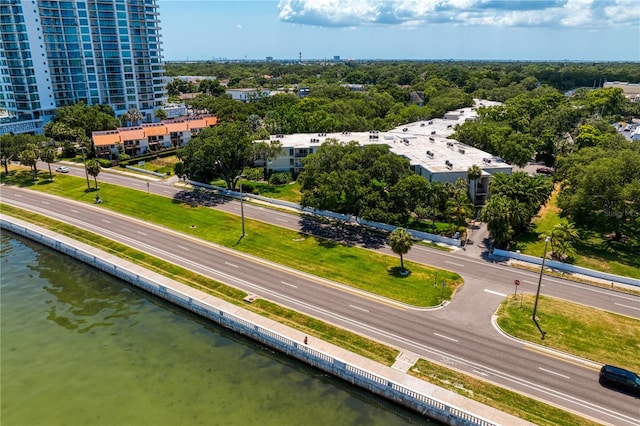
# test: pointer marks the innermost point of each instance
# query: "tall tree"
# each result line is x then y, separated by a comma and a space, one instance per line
48, 155
401, 241
29, 157
220, 151
267, 151
93, 168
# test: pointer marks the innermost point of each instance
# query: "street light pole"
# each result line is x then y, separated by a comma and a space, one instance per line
241, 203
86, 173
535, 305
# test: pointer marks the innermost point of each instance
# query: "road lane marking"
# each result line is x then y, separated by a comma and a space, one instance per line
105, 220
553, 372
590, 365
446, 337
74, 211
626, 306
45, 202
141, 233
482, 373
231, 264
495, 292
290, 285
528, 282
454, 263
359, 308
182, 248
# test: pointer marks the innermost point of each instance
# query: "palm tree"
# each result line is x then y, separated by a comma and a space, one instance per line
29, 157
93, 168
496, 215
562, 237
48, 155
473, 174
401, 241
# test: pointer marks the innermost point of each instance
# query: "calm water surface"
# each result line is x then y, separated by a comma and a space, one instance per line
80, 347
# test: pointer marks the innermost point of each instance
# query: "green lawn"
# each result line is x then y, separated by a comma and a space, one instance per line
288, 192
590, 333
363, 269
594, 252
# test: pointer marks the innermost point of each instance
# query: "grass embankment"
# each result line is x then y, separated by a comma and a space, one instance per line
289, 192
311, 326
363, 269
593, 251
590, 333
502, 399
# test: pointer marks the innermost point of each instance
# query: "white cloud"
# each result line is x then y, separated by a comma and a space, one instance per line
238, 26
511, 13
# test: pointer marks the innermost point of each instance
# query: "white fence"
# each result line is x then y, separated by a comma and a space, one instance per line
379, 385
346, 218
566, 267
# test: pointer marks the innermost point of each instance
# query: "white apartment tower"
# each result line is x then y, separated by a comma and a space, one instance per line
57, 52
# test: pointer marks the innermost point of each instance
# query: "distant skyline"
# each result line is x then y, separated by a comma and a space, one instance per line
536, 30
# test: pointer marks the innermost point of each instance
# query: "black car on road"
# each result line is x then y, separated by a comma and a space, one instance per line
621, 379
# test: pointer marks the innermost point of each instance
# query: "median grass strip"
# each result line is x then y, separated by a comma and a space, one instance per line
500, 398
590, 333
311, 326
363, 269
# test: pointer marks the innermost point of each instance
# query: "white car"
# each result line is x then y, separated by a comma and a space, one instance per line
62, 169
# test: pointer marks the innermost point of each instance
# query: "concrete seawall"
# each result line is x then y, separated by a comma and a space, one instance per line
395, 385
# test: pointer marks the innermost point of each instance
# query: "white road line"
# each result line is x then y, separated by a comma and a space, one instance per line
183, 248
482, 373
105, 220
141, 233
627, 306
231, 264
446, 337
553, 372
453, 263
359, 308
290, 285
45, 202
74, 211
495, 292
528, 282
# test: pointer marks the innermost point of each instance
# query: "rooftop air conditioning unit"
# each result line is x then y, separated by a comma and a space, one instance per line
430, 154
432, 140
461, 151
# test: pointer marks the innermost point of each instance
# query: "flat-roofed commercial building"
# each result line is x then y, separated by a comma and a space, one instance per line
55, 53
423, 143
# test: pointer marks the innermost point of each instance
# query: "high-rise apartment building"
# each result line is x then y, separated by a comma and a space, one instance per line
57, 52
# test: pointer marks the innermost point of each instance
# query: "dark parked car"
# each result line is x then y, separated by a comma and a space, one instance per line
621, 379
545, 170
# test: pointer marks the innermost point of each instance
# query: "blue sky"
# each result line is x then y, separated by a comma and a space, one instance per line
590, 30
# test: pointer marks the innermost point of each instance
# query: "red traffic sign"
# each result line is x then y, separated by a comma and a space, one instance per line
517, 282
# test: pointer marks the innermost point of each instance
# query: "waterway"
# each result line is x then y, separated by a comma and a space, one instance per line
79, 347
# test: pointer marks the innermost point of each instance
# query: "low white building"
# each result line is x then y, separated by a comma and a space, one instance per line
247, 95
423, 143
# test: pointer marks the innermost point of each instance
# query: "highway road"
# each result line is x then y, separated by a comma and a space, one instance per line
459, 335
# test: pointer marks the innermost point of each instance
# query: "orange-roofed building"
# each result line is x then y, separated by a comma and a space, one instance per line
146, 138
106, 143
